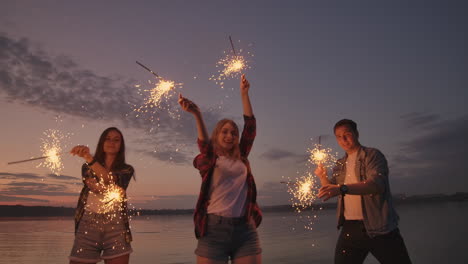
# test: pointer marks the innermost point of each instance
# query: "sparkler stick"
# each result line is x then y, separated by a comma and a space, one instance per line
157, 97
26, 160
232, 46
231, 65
148, 69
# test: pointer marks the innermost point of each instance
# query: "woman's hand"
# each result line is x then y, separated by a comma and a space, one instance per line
82, 151
244, 85
188, 105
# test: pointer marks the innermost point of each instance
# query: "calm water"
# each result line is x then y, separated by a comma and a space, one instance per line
433, 233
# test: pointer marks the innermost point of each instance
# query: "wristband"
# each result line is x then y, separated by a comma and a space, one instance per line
92, 162
343, 189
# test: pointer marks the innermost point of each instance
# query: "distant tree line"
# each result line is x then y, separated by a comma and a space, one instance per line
50, 211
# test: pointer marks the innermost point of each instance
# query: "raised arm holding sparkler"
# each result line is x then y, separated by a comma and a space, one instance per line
228, 193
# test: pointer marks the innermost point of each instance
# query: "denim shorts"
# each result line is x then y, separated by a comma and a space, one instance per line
99, 236
228, 238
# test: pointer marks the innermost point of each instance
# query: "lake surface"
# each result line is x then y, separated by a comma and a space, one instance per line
434, 233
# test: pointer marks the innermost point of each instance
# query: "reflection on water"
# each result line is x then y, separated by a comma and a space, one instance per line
433, 234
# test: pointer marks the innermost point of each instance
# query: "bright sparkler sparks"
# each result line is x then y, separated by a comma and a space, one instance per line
51, 149
303, 191
232, 65
319, 155
236, 64
113, 197
158, 98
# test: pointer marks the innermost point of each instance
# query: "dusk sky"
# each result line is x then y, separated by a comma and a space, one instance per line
399, 69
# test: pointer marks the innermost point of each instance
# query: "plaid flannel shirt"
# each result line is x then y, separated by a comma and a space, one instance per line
123, 177
205, 163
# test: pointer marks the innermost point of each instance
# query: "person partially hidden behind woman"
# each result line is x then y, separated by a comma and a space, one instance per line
227, 215
102, 230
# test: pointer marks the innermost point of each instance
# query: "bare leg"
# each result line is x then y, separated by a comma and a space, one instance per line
202, 260
118, 260
256, 259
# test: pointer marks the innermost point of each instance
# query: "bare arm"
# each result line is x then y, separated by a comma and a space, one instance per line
100, 171
360, 188
94, 186
330, 190
244, 89
192, 108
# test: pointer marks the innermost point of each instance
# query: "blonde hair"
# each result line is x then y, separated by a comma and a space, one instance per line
234, 153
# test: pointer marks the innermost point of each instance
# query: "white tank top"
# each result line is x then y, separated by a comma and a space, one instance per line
228, 189
352, 203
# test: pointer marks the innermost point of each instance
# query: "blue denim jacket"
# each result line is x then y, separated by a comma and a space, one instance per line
379, 214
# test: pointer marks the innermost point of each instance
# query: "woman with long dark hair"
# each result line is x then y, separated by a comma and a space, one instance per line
102, 230
227, 215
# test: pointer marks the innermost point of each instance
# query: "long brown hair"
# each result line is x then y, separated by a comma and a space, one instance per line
100, 155
234, 153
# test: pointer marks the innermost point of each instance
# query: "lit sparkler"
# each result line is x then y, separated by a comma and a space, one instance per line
303, 191
157, 97
113, 196
231, 65
51, 149
320, 155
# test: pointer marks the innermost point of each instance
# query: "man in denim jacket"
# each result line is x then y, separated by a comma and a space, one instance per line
365, 210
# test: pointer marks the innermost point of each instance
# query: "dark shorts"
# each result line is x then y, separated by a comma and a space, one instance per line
99, 236
228, 238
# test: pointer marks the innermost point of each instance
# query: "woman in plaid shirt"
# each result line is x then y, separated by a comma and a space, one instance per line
227, 215
102, 230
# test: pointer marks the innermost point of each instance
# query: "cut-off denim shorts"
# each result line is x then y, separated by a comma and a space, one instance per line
99, 236
228, 238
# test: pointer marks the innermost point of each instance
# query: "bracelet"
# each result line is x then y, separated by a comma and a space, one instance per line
92, 162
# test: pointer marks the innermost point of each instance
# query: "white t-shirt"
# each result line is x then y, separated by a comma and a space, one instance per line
228, 190
352, 203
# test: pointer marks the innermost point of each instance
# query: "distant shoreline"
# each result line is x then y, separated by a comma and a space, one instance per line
14, 212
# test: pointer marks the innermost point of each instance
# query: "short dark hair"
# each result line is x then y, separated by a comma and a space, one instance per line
347, 122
